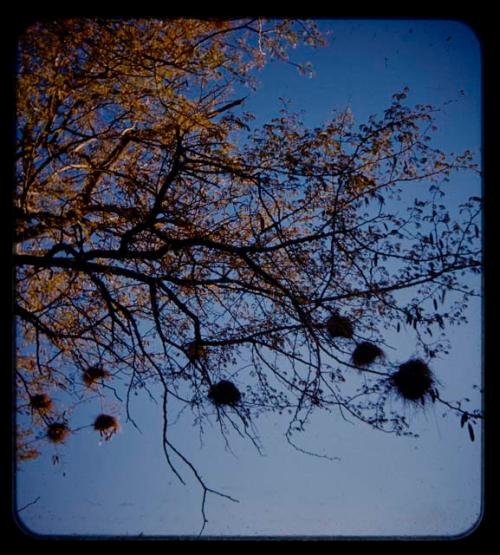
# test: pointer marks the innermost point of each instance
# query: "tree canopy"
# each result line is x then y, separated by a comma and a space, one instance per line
163, 239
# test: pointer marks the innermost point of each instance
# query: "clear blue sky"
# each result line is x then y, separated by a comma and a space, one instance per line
382, 485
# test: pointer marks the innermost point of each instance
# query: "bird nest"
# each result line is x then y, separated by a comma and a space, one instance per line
94, 374
57, 432
224, 393
41, 402
366, 353
195, 351
413, 380
339, 326
106, 425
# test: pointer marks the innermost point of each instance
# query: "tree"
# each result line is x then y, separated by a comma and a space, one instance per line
163, 239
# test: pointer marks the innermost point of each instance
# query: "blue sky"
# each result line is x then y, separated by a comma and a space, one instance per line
381, 485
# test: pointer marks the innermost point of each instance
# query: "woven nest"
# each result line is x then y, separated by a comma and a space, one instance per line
413, 380
57, 432
339, 326
41, 402
106, 425
94, 374
224, 393
366, 353
195, 351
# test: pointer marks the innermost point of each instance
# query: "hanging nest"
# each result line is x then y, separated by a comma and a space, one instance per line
41, 402
339, 326
57, 432
106, 425
94, 374
366, 353
224, 393
413, 380
195, 351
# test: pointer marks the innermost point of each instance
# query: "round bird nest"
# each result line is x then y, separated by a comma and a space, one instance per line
41, 402
57, 432
339, 326
413, 380
366, 353
195, 351
93, 374
106, 425
224, 393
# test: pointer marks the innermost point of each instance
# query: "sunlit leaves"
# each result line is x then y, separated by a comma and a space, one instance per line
152, 212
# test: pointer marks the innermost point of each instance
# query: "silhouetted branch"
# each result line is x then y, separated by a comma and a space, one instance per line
28, 504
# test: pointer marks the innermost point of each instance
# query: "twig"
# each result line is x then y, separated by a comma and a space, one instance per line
311, 453
458, 409
28, 505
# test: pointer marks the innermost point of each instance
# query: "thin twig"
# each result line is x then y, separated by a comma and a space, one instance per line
28, 504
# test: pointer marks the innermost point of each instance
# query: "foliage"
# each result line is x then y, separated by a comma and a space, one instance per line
162, 235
